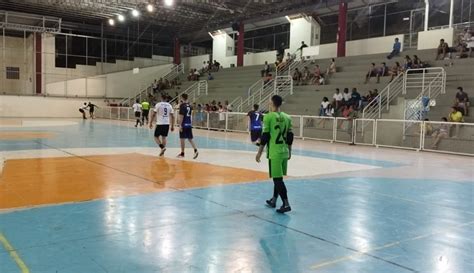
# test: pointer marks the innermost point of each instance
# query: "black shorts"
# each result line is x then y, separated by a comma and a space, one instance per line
81, 110
186, 133
137, 114
255, 135
162, 130
145, 113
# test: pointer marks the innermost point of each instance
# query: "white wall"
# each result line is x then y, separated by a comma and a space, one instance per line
355, 48
195, 61
31, 106
430, 39
18, 53
115, 85
259, 58
303, 29
223, 47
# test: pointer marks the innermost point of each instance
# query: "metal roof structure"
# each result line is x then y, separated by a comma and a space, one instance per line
189, 20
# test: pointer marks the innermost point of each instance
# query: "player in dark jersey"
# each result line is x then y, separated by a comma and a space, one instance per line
255, 124
186, 125
279, 137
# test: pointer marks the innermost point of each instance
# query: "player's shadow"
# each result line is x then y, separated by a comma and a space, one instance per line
280, 249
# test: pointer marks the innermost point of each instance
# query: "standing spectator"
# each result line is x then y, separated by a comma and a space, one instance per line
280, 52
371, 73
216, 66
443, 49
397, 46
303, 45
440, 133
332, 67
355, 98
462, 101
268, 79
382, 71
456, 116
265, 70
137, 109
337, 99
297, 76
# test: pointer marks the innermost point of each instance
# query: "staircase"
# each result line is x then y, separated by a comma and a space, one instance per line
194, 92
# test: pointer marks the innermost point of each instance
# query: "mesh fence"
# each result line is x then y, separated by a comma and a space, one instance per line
364, 131
237, 122
393, 133
318, 128
449, 137
343, 130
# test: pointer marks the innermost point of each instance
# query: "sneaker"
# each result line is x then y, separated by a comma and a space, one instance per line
283, 209
181, 155
162, 153
196, 154
271, 203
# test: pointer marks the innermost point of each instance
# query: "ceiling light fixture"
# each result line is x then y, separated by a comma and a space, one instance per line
135, 13
150, 7
111, 22
169, 3
121, 18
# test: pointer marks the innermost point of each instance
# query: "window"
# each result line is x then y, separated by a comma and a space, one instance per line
13, 73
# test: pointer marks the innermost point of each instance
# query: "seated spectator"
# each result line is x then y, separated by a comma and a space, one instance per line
346, 96
455, 116
397, 46
408, 62
191, 75
441, 132
317, 75
297, 76
324, 105
364, 100
428, 128
227, 106
442, 50
268, 79
154, 86
205, 67
462, 101
306, 75
196, 75
265, 70
337, 99
332, 67
372, 72
382, 71
290, 57
467, 43
216, 66
167, 84
417, 63
209, 76
327, 112
395, 71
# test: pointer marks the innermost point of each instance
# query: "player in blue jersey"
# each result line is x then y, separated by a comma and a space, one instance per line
186, 125
255, 124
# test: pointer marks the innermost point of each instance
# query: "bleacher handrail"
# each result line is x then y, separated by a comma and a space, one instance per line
382, 101
195, 91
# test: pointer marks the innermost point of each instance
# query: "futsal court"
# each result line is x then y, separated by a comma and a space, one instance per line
93, 196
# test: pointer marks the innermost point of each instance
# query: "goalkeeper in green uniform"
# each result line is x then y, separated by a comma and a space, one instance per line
278, 138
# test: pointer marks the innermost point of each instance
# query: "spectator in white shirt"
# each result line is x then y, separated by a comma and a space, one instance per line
337, 99
346, 96
266, 69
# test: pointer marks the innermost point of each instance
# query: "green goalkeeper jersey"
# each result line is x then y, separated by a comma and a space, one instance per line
277, 124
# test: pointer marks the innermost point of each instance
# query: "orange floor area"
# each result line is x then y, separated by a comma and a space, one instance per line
24, 135
29, 182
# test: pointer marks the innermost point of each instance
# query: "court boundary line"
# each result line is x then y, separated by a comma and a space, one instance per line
13, 254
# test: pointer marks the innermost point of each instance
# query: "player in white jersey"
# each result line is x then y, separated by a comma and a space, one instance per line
165, 118
137, 108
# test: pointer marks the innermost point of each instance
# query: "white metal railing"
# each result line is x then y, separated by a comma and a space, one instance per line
257, 96
194, 92
382, 101
174, 73
431, 82
449, 137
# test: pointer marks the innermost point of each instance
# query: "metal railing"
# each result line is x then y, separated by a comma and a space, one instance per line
257, 96
443, 137
174, 73
382, 101
431, 82
194, 92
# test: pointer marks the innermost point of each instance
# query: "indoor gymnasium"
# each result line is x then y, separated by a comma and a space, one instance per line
236, 136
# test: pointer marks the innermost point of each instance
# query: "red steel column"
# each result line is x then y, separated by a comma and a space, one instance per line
39, 64
240, 45
342, 30
177, 51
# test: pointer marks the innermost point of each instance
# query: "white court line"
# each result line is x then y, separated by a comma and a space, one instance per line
299, 166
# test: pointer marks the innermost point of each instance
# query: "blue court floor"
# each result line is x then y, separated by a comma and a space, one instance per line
355, 209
